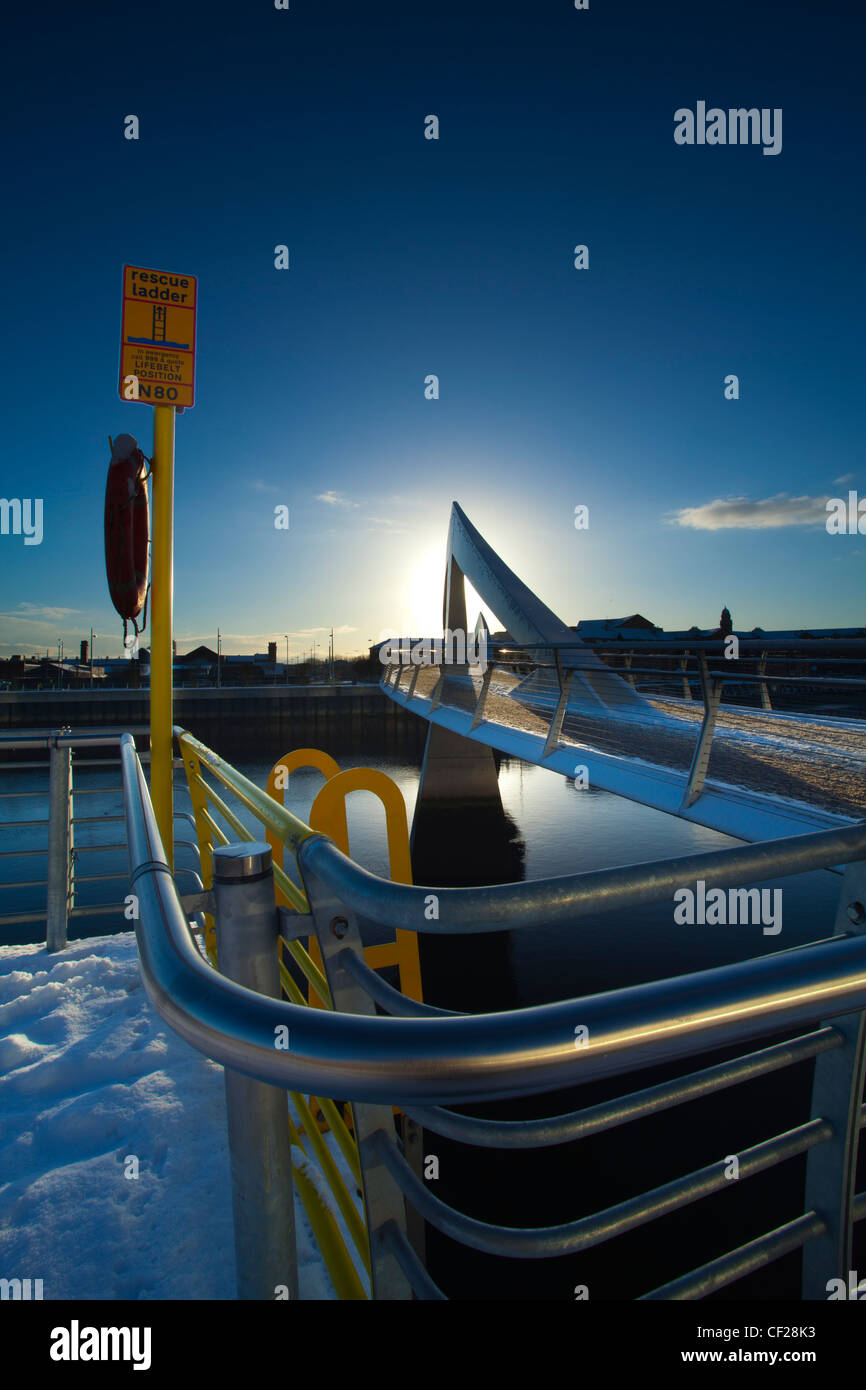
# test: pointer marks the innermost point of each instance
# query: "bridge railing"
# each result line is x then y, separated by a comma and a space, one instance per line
691, 665
693, 670
553, 693
425, 1060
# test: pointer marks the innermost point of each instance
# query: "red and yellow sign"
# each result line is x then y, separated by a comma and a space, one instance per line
157, 337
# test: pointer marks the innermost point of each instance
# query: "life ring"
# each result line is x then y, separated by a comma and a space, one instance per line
127, 529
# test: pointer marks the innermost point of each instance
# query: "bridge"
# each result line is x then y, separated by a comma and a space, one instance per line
549, 699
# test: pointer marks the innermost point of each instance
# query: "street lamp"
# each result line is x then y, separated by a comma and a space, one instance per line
286, 635
92, 635
219, 659
60, 663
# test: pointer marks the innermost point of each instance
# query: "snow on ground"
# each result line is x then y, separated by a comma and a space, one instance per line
90, 1075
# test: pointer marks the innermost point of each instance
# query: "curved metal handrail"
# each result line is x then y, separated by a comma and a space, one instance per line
549, 902
480, 1057
557, 901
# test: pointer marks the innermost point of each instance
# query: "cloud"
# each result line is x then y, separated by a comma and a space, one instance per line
309, 631
34, 612
259, 485
385, 523
846, 478
335, 499
742, 513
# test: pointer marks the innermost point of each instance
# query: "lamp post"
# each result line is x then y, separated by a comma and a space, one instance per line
60, 663
92, 635
286, 635
219, 659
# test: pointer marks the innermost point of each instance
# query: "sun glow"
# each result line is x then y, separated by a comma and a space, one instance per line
424, 594
424, 597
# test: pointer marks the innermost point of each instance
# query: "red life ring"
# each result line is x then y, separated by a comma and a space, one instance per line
127, 528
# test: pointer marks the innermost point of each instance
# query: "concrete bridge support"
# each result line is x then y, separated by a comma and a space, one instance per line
457, 772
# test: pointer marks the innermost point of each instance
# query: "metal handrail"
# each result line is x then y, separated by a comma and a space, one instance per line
391, 1000
579, 1124
289, 828
486, 1057
546, 1242
558, 901
63, 738
730, 676
757, 1254
799, 649
733, 677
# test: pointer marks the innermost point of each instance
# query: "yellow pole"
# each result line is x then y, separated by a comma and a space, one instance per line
161, 592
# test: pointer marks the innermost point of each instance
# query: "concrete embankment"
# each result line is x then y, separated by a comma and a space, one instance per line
296, 713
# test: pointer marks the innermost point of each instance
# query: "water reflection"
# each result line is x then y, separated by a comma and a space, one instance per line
462, 848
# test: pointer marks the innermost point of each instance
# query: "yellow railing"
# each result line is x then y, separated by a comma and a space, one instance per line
278, 777
285, 831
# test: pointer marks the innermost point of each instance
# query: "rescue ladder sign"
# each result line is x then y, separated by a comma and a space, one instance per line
157, 337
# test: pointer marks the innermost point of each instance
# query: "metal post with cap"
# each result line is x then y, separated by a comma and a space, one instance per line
60, 843
247, 934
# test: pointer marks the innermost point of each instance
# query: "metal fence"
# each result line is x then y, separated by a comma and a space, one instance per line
57, 783
425, 1061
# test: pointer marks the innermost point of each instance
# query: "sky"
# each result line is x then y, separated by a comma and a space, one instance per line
559, 387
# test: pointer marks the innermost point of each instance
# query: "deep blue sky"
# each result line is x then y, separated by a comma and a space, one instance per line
558, 387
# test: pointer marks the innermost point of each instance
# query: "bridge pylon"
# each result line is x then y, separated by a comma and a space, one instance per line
456, 771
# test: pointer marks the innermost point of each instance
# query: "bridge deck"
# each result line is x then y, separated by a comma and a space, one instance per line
770, 773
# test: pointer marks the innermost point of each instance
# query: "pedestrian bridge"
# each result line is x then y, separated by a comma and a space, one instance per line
549, 699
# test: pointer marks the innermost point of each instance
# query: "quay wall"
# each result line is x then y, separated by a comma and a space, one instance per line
260, 715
